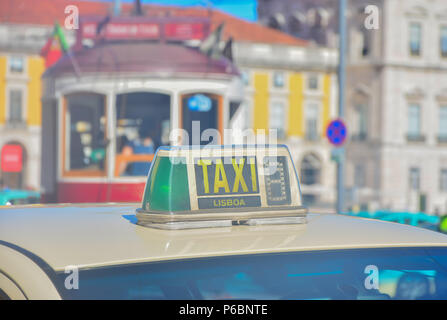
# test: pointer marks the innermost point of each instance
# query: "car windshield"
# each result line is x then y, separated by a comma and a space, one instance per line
393, 273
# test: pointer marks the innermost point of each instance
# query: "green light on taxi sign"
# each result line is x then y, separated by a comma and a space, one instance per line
167, 188
220, 183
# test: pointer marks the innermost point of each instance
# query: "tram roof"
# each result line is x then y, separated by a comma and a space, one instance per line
162, 59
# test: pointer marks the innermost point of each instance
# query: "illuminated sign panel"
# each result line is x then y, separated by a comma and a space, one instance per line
277, 183
227, 176
217, 182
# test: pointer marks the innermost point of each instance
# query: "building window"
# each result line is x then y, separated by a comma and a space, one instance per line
443, 123
443, 180
278, 80
312, 82
310, 170
309, 199
15, 106
359, 176
312, 112
361, 122
16, 64
143, 125
297, 23
415, 38
415, 178
245, 78
444, 41
414, 121
277, 118
277, 21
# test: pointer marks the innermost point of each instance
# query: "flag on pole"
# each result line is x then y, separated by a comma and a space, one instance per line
210, 46
55, 47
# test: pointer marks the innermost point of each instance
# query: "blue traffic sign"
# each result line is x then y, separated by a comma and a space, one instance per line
336, 132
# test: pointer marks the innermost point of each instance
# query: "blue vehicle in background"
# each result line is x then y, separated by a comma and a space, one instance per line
418, 219
15, 196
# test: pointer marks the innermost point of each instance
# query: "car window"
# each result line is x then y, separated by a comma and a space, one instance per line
395, 273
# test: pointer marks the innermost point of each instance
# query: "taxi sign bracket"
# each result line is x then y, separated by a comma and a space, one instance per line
215, 214
189, 225
273, 221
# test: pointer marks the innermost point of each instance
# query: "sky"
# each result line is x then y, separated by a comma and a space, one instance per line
245, 9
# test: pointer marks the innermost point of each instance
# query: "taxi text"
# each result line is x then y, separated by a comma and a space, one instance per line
226, 176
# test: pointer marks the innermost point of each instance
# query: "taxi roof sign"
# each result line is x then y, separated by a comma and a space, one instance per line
194, 186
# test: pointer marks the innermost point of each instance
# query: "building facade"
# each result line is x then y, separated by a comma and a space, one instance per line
413, 115
396, 103
293, 89
20, 106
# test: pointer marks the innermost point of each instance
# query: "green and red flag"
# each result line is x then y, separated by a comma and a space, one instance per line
55, 46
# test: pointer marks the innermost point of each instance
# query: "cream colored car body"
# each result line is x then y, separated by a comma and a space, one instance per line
36, 241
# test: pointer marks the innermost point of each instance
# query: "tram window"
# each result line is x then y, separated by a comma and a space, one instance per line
203, 110
85, 133
143, 124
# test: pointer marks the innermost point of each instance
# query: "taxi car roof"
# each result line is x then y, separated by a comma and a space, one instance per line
101, 235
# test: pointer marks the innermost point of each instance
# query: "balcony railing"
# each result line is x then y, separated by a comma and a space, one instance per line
415, 137
16, 124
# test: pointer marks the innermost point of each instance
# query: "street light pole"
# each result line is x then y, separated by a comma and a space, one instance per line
341, 100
